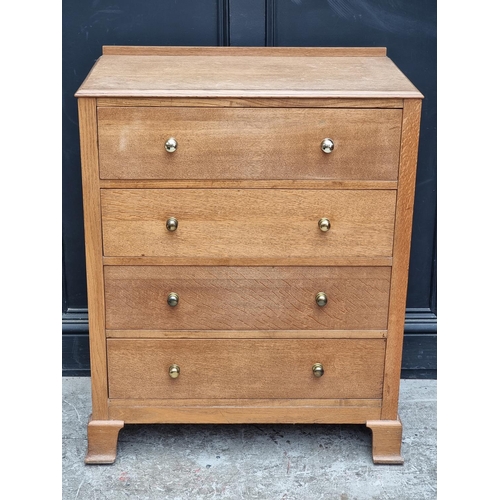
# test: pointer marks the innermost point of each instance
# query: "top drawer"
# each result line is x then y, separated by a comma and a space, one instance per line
248, 143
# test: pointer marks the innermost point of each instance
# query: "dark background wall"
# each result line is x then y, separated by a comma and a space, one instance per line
407, 29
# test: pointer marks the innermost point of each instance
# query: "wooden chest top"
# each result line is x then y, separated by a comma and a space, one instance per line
266, 72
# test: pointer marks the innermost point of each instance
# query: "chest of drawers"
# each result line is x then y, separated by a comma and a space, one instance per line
248, 218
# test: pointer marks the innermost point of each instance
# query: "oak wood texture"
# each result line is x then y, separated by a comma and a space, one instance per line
248, 184
246, 298
93, 252
102, 438
244, 51
238, 261
247, 223
387, 436
243, 184
223, 411
401, 259
217, 102
246, 143
247, 369
248, 403
248, 334
211, 414
246, 76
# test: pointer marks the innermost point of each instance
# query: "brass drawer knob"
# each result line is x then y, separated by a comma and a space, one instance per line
173, 299
174, 371
171, 145
318, 370
327, 145
324, 224
172, 224
321, 299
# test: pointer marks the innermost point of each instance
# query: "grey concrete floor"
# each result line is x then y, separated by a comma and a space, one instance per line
281, 462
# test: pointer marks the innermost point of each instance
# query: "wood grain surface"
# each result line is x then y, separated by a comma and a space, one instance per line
248, 334
243, 184
387, 437
87, 115
246, 143
220, 102
248, 184
401, 262
249, 403
211, 414
222, 411
245, 261
246, 298
247, 223
245, 368
102, 438
246, 76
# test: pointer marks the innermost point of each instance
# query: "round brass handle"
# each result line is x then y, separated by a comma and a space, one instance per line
173, 299
174, 371
327, 145
318, 370
324, 224
172, 224
171, 145
321, 299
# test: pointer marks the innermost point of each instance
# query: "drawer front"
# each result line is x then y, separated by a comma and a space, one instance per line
247, 143
139, 369
249, 223
246, 298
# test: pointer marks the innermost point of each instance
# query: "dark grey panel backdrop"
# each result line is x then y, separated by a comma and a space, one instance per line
407, 29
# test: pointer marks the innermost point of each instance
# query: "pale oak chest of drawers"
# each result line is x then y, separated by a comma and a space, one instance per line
248, 218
